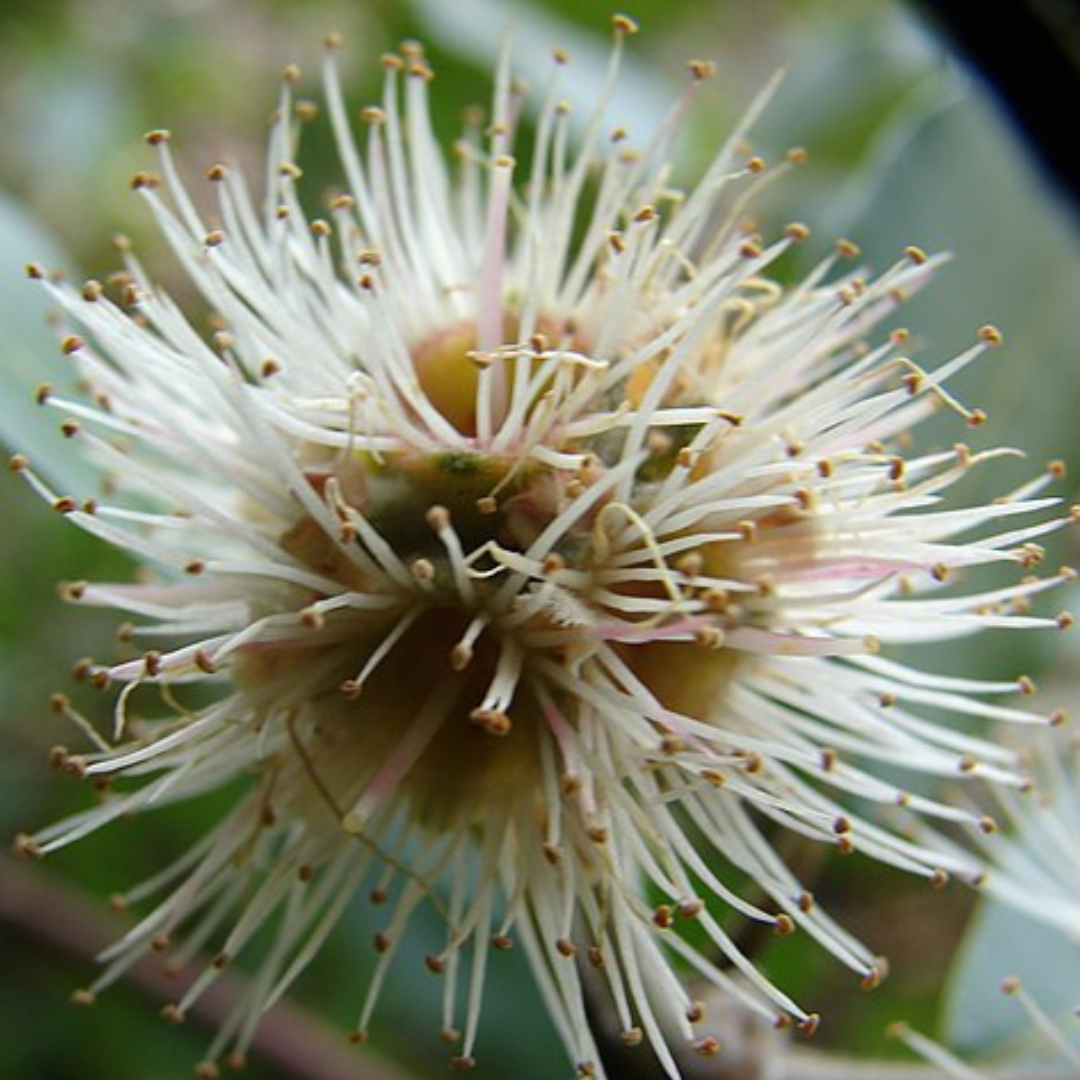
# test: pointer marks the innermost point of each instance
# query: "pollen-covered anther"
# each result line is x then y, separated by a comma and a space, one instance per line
27, 847
751, 248
463, 1063
623, 24
632, 1036
423, 570
552, 564
663, 916
709, 637
502, 942
565, 947
435, 964
172, 1014
752, 763
672, 744
913, 382
797, 232
967, 763
194, 567
707, 1047
598, 834
747, 529
72, 591
492, 721
1057, 469
939, 878
690, 564
144, 181
783, 925
461, 656
438, 518
312, 618
659, 444
1030, 555
204, 662
701, 70
72, 344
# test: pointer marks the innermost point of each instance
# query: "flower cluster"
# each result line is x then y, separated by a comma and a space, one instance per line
533, 553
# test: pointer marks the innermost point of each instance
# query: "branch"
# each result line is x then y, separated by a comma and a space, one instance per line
39, 906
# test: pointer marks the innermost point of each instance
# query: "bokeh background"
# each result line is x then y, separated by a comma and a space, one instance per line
906, 145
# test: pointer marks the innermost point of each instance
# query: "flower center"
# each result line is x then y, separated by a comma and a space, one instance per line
448, 374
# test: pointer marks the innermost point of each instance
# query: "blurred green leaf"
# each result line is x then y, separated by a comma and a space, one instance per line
1000, 943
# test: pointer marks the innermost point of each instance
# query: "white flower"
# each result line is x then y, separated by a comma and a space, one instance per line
539, 551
